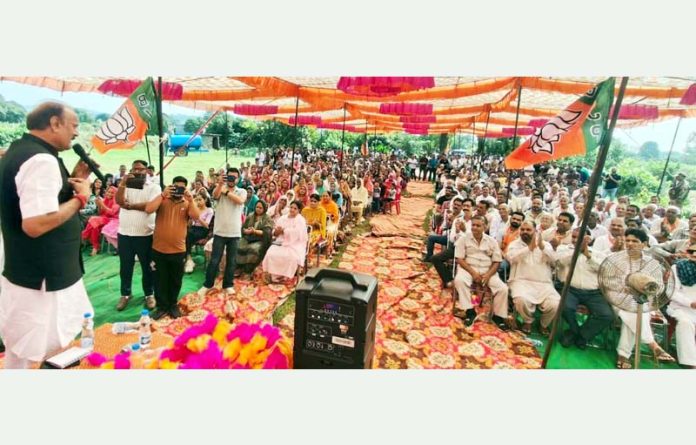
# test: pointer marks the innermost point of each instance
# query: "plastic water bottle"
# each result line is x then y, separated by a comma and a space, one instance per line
87, 336
144, 329
123, 327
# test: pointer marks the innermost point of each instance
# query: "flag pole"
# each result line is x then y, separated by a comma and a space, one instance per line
158, 100
343, 138
294, 144
664, 170
594, 184
147, 146
485, 133
227, 141
514, 139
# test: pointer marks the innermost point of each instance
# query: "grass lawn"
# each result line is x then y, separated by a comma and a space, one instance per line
185, 166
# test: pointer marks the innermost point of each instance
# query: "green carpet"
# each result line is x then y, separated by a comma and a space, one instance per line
103, 287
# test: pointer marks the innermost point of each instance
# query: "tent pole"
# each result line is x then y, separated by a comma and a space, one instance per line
343, 138
158, 98
485, 133
594, 184
227, 141
294, 144
514, 138
671, 147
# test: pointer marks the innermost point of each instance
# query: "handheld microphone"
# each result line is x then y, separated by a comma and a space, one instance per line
77, 148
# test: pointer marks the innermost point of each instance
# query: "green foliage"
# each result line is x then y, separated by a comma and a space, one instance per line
11, 112
9, 132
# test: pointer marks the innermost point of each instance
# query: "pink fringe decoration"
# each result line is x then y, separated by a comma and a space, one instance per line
383, 86
689, 98
255, 110
305, 120
405, 108
418, 119
125, 87
537, 123
521, 131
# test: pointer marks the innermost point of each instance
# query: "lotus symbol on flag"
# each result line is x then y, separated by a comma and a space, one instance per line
545, 137
117, 127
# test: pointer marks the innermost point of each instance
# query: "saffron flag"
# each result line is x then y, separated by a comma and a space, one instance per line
579, 127
130, 122
365, 149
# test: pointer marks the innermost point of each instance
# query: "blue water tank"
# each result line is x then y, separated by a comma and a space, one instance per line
178, 140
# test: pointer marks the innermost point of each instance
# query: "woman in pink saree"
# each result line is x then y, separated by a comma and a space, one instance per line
289, 248
108, 211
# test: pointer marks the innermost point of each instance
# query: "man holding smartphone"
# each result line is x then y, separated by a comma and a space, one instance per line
135, 228
227, 230
174, 207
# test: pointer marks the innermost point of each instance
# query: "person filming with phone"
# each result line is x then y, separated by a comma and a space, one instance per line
174, 207
135, 228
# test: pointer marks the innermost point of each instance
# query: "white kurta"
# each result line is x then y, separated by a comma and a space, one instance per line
33, 322
531, 282
680, 308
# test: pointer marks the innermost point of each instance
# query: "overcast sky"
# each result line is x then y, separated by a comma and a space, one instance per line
27, 95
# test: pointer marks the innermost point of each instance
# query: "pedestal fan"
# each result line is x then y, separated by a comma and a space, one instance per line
636, 284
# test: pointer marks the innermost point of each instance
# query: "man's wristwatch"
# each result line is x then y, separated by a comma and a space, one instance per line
227, 192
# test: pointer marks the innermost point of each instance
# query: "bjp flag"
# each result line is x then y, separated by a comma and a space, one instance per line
576, 129
130, 122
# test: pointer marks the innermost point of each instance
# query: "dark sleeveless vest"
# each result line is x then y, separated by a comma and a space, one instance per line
54, 256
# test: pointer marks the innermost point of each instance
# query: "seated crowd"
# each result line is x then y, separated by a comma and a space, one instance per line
257, 215
519, 249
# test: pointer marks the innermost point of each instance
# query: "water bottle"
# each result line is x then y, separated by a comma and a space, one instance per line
144, 329
87, 336
123, 327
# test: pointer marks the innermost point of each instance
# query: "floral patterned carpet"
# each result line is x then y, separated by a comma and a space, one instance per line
415, 325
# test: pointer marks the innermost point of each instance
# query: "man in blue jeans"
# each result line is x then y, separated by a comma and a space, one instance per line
227, 230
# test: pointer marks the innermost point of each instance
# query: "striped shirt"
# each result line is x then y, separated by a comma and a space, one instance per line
137, 222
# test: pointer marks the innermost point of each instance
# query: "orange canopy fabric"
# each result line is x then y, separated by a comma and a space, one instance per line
459, 103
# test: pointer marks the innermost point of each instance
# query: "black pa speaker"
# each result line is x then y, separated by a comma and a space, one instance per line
335, 319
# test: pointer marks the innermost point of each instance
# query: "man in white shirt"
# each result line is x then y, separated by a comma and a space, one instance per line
649, 216
595, 230
584, 289
135, 229
478, 257
461, 223
561, 234
683, 309
614, 240
531, 260
226, 232
44, 297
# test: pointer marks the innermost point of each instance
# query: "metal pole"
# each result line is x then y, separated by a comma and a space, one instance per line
227, 141
594, 184
294, 144
664, 170
343, 138
485, 133
158, 98
514, 139
147, 146
639, 322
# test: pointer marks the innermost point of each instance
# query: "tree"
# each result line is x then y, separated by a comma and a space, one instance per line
649, 150
11, 112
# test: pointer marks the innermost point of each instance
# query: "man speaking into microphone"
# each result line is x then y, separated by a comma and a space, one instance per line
43, 298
